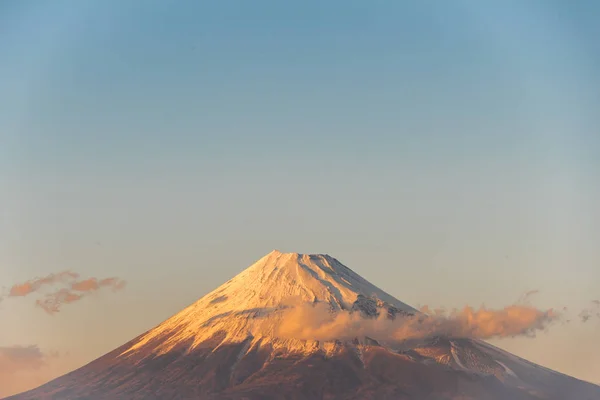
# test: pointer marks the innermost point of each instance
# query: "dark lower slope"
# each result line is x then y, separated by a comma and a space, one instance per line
441, 369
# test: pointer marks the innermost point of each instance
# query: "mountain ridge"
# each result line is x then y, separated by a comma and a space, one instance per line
268, 285
228, 345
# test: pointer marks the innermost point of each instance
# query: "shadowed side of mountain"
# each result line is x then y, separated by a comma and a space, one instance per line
256, 370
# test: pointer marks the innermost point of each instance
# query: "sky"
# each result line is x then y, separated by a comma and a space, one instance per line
449, 152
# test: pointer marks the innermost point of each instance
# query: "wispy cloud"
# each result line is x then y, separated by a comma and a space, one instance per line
70, 290
17, 358
526, 297
307, 321
23, 367
33, 285
593, 311
54, 301
94, 284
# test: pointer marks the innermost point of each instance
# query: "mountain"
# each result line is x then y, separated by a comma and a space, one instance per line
228, 345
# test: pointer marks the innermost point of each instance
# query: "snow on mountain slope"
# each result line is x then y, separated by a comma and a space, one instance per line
268, 285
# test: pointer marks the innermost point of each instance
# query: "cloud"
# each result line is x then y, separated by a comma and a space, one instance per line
24, 367
585, 315
93, 284
73, 290
531, 293
54, 301
594, 311
17, 358
33, 285
524, 299
316, 322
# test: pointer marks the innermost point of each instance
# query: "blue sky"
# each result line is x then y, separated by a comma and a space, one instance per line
447, 151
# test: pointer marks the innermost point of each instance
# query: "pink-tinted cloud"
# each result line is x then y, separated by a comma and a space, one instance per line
54, 301
24, 367
33, 285
307, 321
94, 284
73, 290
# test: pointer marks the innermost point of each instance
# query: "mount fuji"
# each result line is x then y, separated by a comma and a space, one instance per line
228, 345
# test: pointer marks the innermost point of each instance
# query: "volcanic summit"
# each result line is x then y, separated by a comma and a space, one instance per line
230, 345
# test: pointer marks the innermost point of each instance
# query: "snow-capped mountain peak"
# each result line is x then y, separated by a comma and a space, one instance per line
269, 285
226, 346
